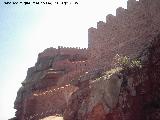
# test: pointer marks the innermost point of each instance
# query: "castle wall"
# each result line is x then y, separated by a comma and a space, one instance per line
51, 52
72, 51
72, 76
66, 64
126, 33
62, 65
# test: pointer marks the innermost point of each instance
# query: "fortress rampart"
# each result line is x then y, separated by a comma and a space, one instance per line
125, 33
50, 52
69, 65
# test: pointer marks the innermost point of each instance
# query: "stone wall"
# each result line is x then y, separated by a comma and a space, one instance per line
69, 65
126, 33
63, 51
131, 94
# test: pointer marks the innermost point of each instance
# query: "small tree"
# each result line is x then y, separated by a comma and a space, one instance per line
125, 62
126, 66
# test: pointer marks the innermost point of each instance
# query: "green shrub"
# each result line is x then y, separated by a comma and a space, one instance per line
125, 62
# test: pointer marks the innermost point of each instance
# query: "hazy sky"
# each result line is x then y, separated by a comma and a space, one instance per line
27, 30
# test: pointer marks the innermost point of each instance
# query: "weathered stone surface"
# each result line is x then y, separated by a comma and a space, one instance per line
79, 84
135, 97
127, 33
46, 89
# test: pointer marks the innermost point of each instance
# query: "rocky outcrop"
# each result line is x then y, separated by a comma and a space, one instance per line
46, 89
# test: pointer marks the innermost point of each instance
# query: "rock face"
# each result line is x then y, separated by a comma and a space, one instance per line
83, 84
46, 89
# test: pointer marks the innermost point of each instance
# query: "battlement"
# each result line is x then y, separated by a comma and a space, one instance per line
124, 33
131, 4
109, 18
120, 11
77, 48
61, 50
92, 30
72, 51
100, 25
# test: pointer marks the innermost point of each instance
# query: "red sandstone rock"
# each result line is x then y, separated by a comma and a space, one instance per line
46, 89
97, 113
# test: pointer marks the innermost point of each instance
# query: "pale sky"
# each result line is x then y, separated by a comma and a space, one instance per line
27, 30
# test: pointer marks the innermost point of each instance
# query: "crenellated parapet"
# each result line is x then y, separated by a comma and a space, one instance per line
120, 11
72, 51
131, 4
100, 25
110, 18
51, 52
124, 33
